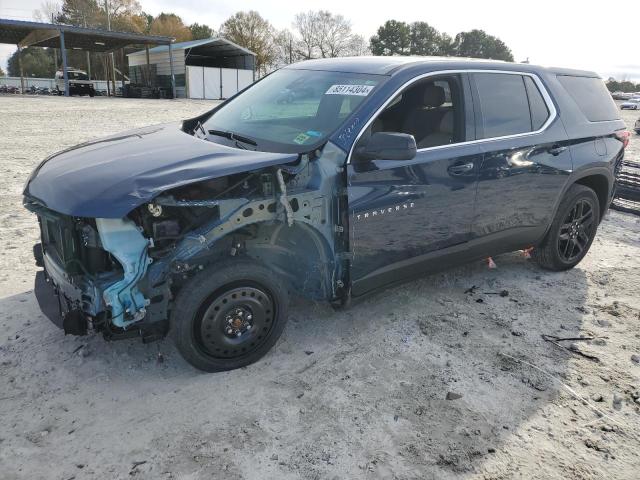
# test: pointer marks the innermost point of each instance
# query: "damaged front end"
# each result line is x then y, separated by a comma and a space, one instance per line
119, 276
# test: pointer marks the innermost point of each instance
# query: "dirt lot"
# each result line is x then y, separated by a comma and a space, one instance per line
359, 393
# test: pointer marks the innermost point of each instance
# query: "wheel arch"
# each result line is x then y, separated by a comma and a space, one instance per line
299, 253
599, 179
600, 184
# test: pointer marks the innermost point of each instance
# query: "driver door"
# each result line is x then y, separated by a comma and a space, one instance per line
405, 214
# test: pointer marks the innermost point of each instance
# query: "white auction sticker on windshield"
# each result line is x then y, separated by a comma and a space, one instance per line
359, 90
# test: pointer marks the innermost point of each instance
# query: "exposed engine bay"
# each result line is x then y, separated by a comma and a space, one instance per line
119, 275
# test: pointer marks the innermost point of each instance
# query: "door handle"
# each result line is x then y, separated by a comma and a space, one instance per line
556, 150
460, 169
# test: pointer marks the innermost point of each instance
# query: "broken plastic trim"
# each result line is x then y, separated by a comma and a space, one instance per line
123, 240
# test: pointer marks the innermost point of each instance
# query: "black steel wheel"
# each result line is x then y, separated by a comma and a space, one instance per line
234, 321
229, 315
572, 231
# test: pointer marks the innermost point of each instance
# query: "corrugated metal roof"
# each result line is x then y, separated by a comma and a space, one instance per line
94, 39
214, 41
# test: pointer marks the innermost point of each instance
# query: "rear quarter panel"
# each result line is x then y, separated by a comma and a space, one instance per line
595, 150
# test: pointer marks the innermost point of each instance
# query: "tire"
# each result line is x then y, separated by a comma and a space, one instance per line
572, 231
229, 315
92, 93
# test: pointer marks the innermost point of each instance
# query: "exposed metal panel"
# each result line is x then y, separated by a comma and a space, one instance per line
211, 83
229, 79
245, 78
195, 82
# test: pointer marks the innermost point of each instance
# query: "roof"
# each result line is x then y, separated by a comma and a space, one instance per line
18, 32
220, 45
389, 65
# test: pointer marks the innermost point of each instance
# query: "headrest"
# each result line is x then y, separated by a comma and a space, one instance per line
433, 96
446, 124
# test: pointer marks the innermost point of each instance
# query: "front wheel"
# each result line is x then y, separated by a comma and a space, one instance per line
572, 231
229, 315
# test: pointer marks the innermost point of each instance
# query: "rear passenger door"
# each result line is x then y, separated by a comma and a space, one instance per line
526, 158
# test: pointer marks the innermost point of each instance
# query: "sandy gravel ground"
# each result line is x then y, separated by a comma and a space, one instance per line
423, 381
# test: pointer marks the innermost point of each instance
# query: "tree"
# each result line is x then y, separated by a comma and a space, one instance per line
323, 34
251, 31
622, 86
2, 74
199, 32
48, 11
285, 48
124, 15
36, 62
305, 25
392, 38
334, 34
83, 13
170, 25
426, 40
358, 46
479, 44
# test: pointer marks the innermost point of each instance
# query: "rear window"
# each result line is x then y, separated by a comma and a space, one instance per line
591, 96
504, 104
539, 110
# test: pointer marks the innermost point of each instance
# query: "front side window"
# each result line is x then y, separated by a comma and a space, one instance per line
431, 110
293, 110
504, 104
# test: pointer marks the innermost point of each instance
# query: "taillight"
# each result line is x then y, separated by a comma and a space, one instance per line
623, 136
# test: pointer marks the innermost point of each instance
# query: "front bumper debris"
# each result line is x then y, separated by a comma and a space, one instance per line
57, 307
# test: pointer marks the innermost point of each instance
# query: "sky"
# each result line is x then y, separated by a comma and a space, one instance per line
560, 33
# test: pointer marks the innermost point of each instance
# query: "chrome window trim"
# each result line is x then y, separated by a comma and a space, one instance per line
543, 91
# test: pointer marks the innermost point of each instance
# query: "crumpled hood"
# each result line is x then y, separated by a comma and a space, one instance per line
107, 178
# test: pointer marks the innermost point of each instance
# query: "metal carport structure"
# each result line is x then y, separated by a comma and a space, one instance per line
25, 34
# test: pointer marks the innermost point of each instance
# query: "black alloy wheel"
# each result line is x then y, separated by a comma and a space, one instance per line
572, 231
577, 230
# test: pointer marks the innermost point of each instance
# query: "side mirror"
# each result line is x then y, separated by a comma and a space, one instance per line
387, 146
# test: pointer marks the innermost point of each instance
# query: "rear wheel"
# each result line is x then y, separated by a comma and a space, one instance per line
572, 231
229, 315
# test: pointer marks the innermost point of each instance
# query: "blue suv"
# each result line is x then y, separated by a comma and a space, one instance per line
370, 172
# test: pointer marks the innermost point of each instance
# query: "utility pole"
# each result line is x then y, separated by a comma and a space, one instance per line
55, 50
113, 63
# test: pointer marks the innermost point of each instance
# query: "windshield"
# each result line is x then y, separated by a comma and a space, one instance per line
77, 76
292, 110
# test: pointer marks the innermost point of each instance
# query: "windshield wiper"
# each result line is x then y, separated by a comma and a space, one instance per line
233, 136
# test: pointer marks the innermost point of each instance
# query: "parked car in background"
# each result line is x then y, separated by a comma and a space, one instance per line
79, 83
386, 168
631, 104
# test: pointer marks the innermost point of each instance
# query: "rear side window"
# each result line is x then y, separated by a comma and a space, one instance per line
504, 104
539, 110
591, 96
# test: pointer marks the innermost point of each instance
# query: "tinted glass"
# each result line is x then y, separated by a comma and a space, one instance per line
539, 110
504, 104
291, 109
592, 97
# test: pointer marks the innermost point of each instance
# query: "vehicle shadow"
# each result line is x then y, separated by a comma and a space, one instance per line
419, 381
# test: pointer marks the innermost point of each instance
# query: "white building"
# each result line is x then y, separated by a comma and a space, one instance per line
213, 68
